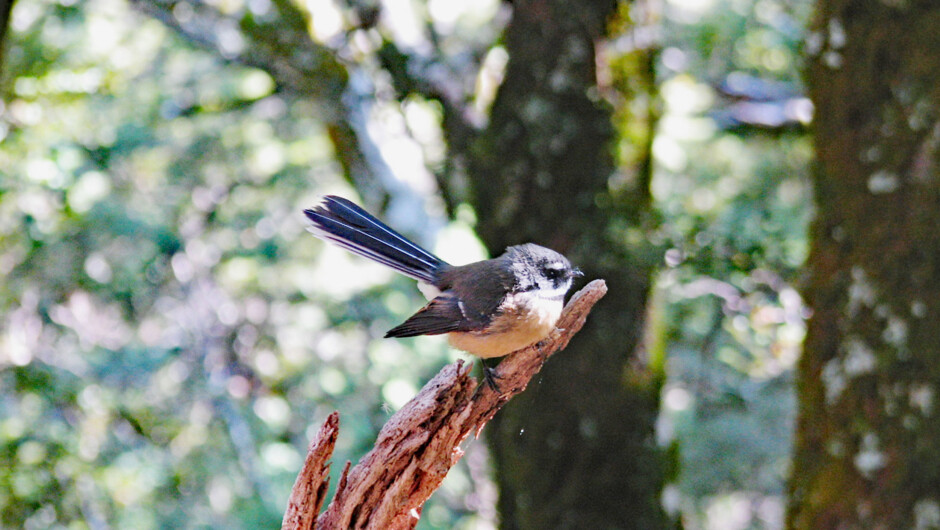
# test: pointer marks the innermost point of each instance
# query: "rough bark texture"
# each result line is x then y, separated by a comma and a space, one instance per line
309, 489
869, 379
421, 442
579, 450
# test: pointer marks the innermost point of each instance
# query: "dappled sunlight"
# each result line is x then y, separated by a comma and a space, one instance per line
170, 334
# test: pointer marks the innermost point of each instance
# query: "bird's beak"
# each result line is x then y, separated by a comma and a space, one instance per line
576, 273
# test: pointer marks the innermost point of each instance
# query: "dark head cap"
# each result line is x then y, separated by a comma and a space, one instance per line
537, 267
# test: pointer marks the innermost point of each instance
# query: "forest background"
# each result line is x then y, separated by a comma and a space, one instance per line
757, 181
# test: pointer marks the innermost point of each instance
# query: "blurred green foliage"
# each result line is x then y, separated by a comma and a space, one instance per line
170, 336
169, 332
735, 199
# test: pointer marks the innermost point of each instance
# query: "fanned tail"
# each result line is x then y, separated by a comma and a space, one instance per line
340, 221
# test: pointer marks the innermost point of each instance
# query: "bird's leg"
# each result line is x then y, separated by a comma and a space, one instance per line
539, 346
490, 376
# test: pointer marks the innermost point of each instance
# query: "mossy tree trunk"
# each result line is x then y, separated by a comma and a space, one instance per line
577, 449
867, 452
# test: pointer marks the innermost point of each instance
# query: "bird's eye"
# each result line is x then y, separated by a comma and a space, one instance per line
552, 273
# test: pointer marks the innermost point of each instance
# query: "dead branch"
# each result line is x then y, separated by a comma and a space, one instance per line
309, 489
421, 442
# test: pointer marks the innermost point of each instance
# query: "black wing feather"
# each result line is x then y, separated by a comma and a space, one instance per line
444, 314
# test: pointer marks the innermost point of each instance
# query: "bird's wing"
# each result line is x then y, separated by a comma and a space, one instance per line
444, 314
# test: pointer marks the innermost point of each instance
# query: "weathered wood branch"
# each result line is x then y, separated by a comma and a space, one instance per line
421, 442
309, 489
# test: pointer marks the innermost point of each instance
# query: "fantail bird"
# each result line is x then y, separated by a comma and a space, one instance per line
488, 308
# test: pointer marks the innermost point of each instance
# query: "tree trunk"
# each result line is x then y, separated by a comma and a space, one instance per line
866, 446
577, 449
6, 8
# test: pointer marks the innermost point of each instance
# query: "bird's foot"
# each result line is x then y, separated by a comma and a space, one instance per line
489, 378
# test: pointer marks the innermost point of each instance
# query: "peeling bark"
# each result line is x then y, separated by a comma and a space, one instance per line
309, 489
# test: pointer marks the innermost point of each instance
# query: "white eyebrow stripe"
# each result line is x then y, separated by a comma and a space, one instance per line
555, 292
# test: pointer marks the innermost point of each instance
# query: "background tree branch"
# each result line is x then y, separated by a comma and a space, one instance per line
278, 42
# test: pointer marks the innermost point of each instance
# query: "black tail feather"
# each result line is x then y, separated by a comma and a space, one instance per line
349, 226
